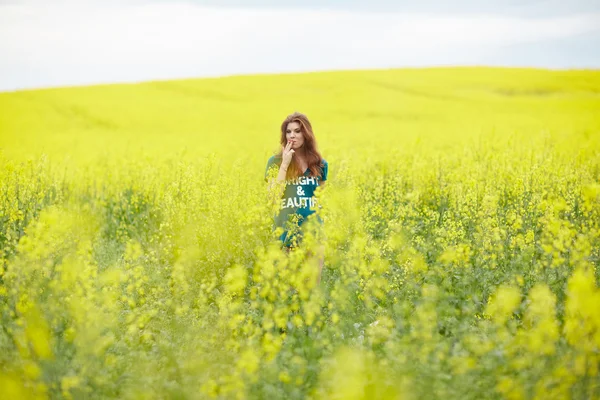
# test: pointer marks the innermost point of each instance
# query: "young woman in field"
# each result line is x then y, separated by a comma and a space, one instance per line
294, 174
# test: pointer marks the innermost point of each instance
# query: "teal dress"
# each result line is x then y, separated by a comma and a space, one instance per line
297, 201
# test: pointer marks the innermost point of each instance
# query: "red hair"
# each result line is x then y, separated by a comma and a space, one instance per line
313, 157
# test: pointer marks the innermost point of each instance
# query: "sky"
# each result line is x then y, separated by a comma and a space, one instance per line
69, 43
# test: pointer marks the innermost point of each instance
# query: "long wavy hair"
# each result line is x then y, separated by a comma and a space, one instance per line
313, 157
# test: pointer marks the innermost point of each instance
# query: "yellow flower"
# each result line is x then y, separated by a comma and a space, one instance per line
503, 302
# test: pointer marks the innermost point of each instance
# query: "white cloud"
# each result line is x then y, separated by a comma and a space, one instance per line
64, 44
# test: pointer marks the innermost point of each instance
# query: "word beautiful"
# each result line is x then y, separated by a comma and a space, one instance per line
296, 195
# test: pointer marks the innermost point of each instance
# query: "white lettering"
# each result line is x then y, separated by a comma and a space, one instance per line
303, 201
304, 180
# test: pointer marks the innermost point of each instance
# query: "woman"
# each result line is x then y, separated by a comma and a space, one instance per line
296, 172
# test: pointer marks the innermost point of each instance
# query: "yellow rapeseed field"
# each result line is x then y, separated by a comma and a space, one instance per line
461, 235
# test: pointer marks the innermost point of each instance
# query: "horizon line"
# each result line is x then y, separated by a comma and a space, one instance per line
306, 72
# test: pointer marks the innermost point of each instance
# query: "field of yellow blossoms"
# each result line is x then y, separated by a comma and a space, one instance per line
461, 239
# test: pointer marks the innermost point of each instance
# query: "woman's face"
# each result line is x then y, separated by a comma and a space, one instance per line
294, 134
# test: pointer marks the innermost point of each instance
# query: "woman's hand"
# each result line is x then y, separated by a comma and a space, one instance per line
287, 153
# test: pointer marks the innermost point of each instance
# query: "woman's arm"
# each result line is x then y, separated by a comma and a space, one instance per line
286, 154
282, 173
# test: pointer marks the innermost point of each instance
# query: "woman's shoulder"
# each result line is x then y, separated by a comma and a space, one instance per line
274, 159
324, 169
